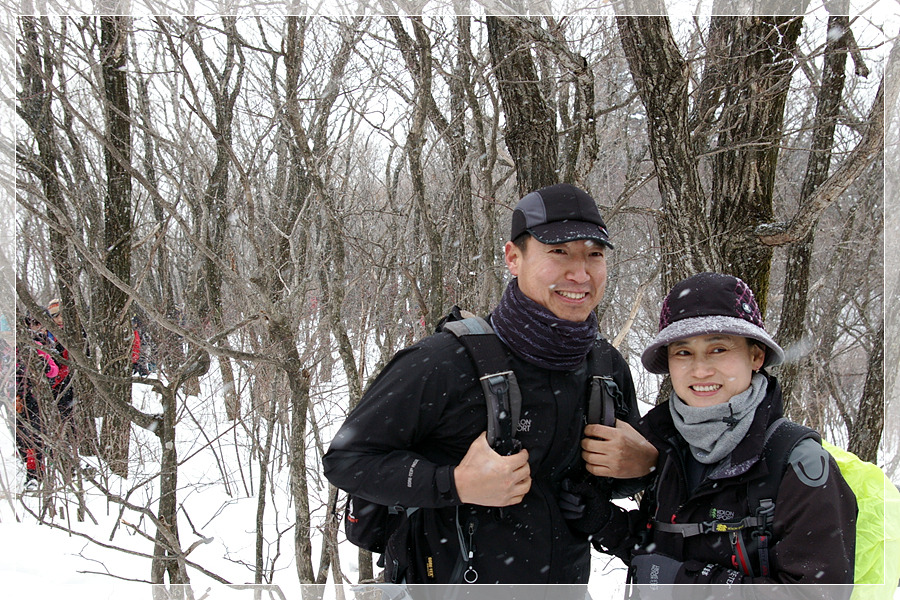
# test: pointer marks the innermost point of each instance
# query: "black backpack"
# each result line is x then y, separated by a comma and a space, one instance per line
375, 527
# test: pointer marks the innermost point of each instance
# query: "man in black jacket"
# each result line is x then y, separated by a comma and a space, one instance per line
417, 438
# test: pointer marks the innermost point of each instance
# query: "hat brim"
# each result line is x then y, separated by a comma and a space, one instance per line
656, 357
560, 232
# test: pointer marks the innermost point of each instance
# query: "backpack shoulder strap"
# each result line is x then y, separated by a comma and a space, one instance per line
782, 436
498, 382
605, 402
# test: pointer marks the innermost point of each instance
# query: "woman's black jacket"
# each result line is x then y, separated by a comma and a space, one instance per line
814, 528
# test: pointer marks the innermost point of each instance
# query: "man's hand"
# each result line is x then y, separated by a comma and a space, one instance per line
619, 451
488, 479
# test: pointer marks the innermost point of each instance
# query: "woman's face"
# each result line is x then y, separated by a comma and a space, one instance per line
711, 369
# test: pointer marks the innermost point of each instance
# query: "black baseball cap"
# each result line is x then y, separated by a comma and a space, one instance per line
557, 214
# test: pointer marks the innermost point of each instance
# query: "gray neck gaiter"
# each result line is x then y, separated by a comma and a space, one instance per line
713, 432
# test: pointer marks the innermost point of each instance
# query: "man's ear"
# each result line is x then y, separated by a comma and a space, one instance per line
512, 254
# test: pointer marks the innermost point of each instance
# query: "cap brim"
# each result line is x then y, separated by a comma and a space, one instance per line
560, 232
656, 358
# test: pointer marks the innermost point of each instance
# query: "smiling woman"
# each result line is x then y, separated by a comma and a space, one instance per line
710, 369
699, 522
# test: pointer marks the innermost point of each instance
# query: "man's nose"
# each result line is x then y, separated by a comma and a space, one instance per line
578, 271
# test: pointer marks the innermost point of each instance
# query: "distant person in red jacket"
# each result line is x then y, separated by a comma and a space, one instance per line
138, 360
30, 359
61, 385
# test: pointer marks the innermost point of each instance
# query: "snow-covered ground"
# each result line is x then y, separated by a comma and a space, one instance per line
218, 480
218, 483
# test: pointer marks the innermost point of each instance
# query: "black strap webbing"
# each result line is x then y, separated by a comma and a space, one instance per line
782, 436
606, 402
602, 401
692, 529
498, 382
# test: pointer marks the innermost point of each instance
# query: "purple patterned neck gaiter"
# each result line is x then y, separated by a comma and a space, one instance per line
539, 337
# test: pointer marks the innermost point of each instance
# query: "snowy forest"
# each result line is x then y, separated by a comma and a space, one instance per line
275, 205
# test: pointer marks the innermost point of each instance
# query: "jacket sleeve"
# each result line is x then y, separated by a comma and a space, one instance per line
373, 455
621, 533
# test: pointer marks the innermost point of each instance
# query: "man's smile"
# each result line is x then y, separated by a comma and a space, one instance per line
572, 295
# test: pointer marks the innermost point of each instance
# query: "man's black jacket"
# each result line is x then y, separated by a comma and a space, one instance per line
415, 424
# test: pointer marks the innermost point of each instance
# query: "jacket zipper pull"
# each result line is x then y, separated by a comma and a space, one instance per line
471, 575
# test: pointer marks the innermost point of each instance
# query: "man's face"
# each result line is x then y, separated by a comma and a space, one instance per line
567, 279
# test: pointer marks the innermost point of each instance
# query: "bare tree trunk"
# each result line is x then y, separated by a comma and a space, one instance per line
223, 82
117, 339
66, 268
530, 134
715, 234
35, 109
167, 549
333, 280
660, 74
892, 323
757, 82
796, 280
417, 54
298, 382
265, 454
170, 356
217, 190
469, 259
756, 76
865, 435
485, 145
580, 146
330, 555
418, 59
300, 176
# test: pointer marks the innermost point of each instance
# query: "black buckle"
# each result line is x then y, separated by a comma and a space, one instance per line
764, 515
499, 382
708, 527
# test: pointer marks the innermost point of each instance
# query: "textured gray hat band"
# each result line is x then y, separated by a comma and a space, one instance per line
655, 358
